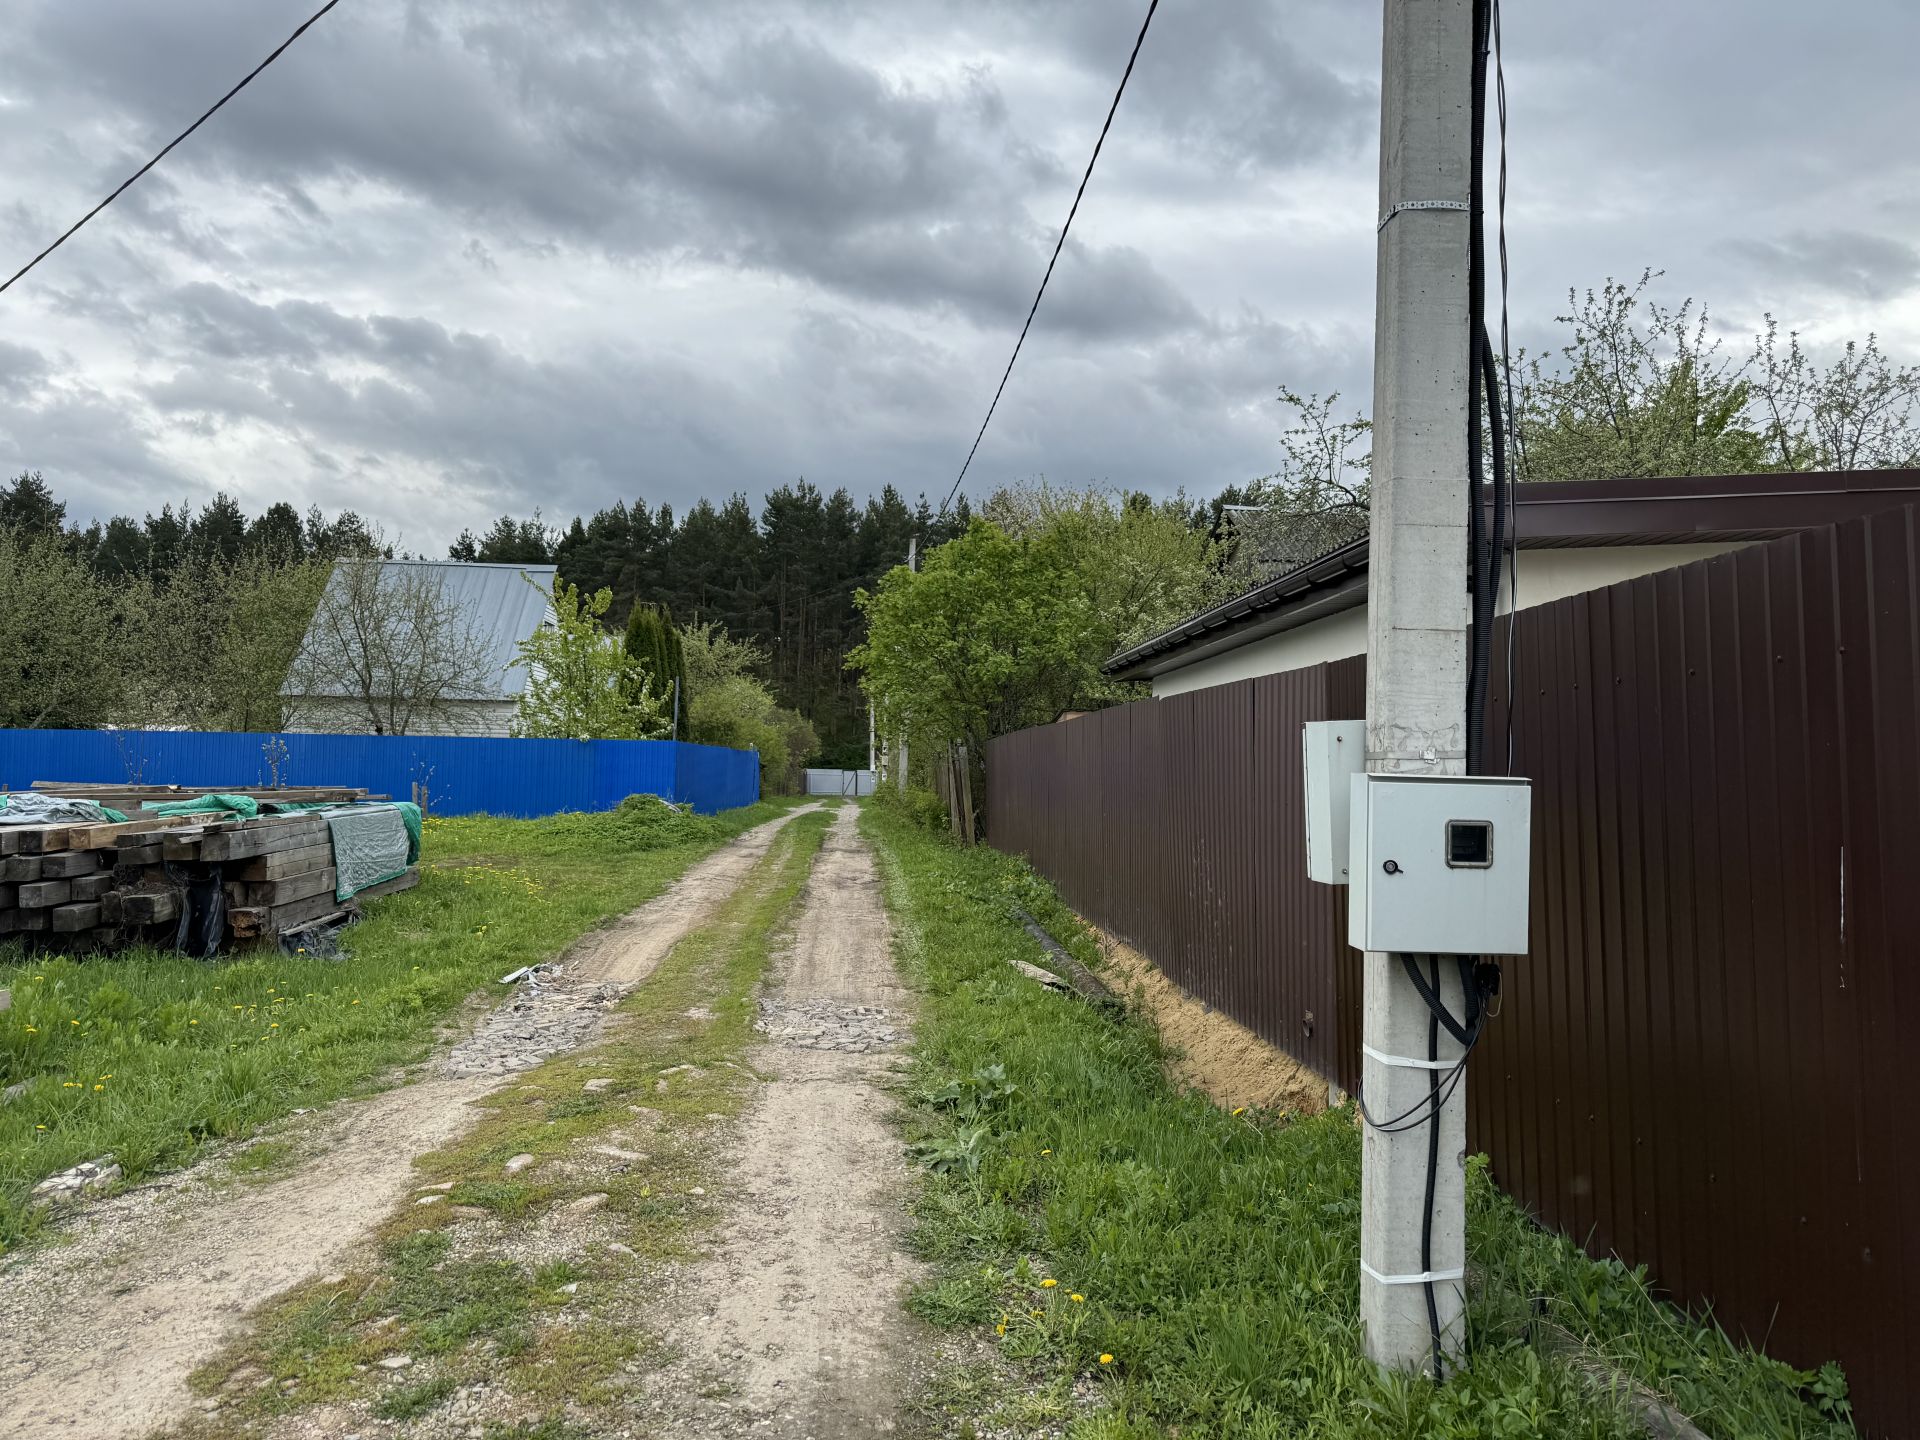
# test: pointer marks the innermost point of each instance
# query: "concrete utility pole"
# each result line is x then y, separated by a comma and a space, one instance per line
1417, 615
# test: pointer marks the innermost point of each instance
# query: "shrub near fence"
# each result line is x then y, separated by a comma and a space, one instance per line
1699, 1065
463, 775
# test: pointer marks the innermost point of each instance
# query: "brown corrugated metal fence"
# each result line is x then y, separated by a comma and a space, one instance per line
1698, 1067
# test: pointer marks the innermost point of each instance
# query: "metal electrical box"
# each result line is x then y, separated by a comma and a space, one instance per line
1332, 752
1439, 864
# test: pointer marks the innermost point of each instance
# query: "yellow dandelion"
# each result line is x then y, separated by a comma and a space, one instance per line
274, 1026
1046, 1152
32, 1031
193, 1022
1106, 1359
99, 1087
1048, 1284
300, 950
1240, 1110
1078, 1299
356, 1002
39, 1127
73, 1022
239, 1007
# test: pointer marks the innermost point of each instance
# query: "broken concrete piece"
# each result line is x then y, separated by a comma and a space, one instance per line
586, 1204
70, 1185
595, 1086
1045, 977
395, 1362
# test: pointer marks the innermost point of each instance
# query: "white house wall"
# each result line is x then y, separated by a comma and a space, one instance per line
1545, 576
326, 715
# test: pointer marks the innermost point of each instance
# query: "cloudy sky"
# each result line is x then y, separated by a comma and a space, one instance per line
449, 258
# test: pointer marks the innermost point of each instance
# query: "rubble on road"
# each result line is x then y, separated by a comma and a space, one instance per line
829, 1025
70, 1185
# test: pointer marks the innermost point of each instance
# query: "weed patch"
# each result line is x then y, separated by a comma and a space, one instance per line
1199, 1266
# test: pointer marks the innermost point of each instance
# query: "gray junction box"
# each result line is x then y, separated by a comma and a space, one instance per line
1439, 864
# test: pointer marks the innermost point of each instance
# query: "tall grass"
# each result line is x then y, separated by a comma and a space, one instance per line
1215, 1255
149, 1055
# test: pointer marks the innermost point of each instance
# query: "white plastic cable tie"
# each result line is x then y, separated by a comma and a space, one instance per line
1408, 1061
1425, 1277
1419, 205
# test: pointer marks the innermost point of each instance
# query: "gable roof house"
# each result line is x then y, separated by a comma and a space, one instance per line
422, 647
1571, 537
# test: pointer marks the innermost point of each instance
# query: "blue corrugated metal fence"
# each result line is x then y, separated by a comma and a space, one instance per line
464, 775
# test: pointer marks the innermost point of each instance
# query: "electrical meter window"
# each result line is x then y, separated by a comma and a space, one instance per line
1469, 844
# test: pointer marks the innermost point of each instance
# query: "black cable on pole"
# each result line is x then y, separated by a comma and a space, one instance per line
1032, 310
1433, 1175
124, 184
1516, 441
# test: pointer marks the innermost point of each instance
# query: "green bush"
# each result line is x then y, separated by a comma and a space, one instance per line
919, 807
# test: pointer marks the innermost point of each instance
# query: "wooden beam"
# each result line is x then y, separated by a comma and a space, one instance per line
41, 893
144, 907
98, 837
64, 863
283, 863
91, 887
69, 918
283, 891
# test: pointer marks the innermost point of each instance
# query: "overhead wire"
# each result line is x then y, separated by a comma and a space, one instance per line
124, 185
1073, 210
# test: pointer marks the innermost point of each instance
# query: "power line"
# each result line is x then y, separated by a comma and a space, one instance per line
170, 144
1074, 210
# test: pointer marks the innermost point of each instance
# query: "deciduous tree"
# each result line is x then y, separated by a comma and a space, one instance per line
581, 682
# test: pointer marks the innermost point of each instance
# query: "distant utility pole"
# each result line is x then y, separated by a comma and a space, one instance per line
1417, 616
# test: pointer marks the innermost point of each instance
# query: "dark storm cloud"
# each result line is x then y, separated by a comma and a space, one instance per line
752, 145
449, 258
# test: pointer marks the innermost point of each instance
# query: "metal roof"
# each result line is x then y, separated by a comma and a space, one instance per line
497, 601
1548, 514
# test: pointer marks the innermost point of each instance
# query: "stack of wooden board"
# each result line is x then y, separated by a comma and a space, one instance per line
103, 885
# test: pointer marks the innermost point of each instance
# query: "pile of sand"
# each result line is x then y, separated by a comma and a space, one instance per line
1212, 1053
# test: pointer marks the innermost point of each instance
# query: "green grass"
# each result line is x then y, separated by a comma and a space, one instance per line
468, 1316
1217, 1254
149, 1055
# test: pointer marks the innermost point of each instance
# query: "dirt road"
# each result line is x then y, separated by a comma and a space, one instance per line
803, 1333
102, 1333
